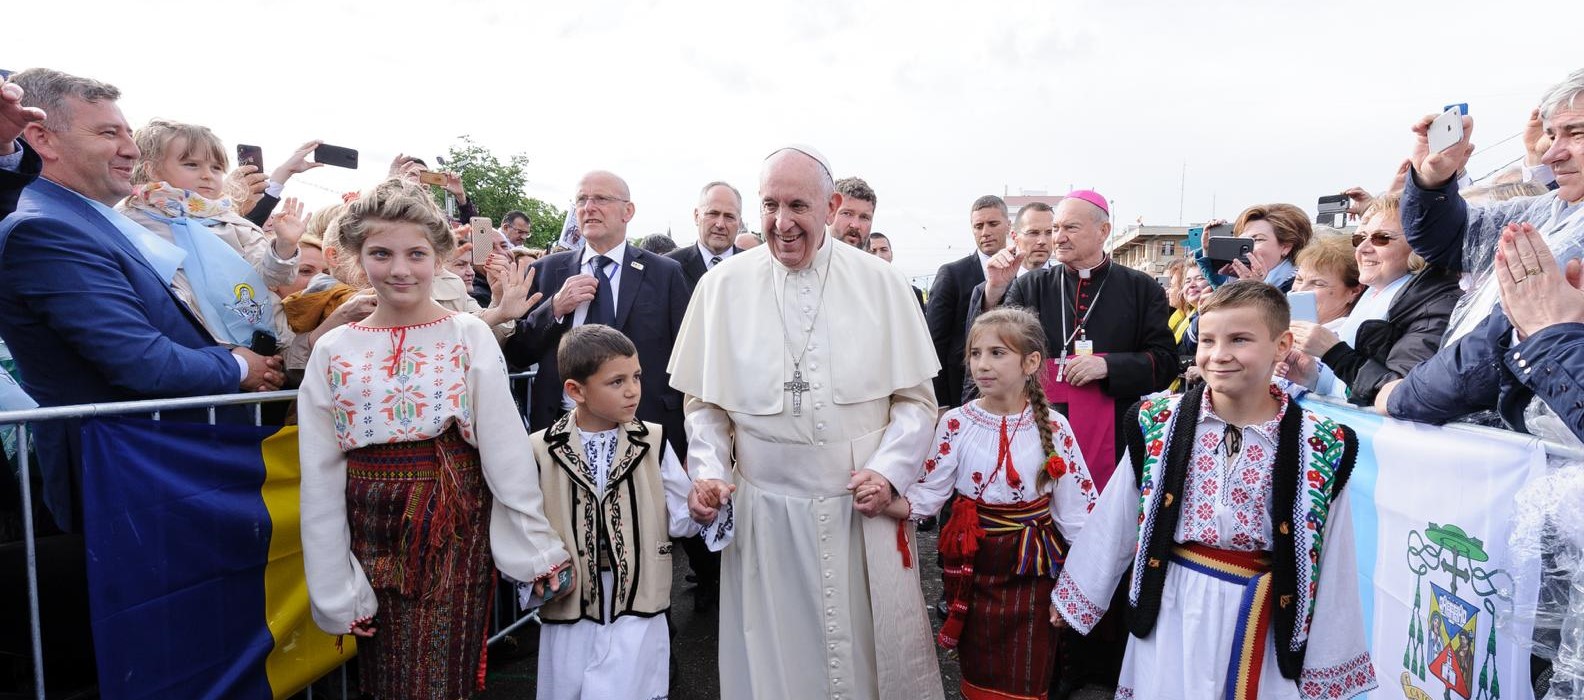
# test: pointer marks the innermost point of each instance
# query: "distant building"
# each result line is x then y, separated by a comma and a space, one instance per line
1148, 248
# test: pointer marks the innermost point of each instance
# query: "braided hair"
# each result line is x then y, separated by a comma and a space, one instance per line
1021, 331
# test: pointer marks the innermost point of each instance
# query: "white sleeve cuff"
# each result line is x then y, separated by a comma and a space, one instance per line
242, 368
274, 189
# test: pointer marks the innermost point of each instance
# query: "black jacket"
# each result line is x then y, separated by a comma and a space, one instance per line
650, 301
692, 261
947, 315
1410, 334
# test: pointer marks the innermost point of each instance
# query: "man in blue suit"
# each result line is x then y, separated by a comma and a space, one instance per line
607, 281
85, 313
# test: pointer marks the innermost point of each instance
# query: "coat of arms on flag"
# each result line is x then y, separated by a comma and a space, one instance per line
1444, 640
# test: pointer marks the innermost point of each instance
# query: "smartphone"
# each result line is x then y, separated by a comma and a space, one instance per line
1447, 130
1222, 250
483, 239
1219, 231
337, 156
530, 601
1303, 306
430, 177
1195, 238
250, 155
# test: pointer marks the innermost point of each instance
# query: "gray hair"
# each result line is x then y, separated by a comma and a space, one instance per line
1563, 94
703, 193
48, 89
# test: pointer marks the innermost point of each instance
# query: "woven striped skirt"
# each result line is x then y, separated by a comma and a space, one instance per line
1008, 647
419, 513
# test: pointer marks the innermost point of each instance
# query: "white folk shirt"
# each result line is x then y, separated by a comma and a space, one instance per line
627, 657
447, 372
968, 443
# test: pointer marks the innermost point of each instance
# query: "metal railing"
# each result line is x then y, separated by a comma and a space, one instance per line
503, 624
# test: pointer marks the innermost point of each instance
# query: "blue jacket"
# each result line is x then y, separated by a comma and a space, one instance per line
1484, 370
88, 320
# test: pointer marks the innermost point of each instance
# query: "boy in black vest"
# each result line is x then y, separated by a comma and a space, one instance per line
1234, 530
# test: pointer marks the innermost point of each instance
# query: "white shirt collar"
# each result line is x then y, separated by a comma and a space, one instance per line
617, 255
1023, 270
704, 251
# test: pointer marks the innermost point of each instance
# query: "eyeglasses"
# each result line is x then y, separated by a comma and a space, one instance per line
517, 230
598, 200
1379, 239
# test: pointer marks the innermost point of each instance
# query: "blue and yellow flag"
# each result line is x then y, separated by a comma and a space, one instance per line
195, 561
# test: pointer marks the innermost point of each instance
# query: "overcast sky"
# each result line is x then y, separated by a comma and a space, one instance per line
934, 103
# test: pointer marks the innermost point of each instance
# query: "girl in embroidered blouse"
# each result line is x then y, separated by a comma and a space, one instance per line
1022, 493
415, 472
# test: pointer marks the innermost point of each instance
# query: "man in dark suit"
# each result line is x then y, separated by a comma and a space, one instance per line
606, 281
947, 310
86, 315
719, 218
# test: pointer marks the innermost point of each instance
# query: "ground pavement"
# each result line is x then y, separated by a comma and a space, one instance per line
512, 673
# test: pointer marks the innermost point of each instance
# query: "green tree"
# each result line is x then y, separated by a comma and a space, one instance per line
496, 187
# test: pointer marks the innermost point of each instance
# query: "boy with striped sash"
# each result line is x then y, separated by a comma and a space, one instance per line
1243, 575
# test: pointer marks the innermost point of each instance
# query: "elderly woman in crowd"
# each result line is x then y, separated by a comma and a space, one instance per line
1396, 323
1279, 232
1328, 268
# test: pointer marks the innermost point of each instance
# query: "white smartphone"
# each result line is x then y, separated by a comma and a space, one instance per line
1446, 131
1303, 306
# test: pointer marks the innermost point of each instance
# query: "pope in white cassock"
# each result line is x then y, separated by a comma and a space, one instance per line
808, 373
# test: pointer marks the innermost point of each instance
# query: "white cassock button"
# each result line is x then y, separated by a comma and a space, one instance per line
808, 309
830, 612
821, 443
824, 518
821, 499
831, 629
827, 574
819, 405
824, 538
807, 289
808, 329
820, 425
830, 592
827, 556
835, 663
813, 366
816, 384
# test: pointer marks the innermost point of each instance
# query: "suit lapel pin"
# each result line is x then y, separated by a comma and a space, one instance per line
636, 265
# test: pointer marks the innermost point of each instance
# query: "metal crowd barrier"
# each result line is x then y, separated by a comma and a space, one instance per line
503, 624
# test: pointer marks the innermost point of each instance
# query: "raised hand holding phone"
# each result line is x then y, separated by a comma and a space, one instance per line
1435, 161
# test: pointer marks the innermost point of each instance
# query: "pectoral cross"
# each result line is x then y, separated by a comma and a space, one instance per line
798, 387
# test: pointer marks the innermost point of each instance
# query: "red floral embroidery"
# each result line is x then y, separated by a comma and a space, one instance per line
953, 424
945, 448
1163, 416
1155, 448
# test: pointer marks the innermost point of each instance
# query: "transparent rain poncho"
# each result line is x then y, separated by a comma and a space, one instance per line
1547, 540
1560, 223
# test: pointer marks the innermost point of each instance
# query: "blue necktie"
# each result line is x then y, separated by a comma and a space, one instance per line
603, 310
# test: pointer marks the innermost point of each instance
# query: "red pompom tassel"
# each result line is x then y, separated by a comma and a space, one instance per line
960, 537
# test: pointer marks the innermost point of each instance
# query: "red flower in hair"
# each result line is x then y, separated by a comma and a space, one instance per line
1055, 466
350, 197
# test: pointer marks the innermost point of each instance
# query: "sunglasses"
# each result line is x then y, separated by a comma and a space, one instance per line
1379, 239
